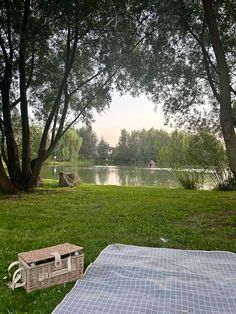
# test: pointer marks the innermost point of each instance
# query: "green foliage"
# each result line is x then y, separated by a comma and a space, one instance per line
189, 179
93, 61
68, 146
103, 150
35, 133
227, 185
206, 151
88, 148
95, 216
58, 61
122, 152
174, 152
202, 150
186, 62
177, 149
140, 146
223, 179
169, 63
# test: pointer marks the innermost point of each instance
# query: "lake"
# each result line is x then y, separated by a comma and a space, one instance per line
118, 175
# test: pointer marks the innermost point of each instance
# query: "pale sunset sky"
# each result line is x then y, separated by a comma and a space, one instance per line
127, 112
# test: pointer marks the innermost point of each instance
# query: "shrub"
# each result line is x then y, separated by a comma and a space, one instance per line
227, 185
223, 179
190, 179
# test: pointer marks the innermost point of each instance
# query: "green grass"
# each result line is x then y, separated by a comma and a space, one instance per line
70, 163
94, 216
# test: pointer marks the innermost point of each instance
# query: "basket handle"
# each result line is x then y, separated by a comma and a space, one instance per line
11, 266
15, 283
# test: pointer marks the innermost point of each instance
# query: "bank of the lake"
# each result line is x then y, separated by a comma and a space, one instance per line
94, 216
127, 175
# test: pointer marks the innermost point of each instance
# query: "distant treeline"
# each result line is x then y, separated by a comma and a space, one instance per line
75, 144
176, 149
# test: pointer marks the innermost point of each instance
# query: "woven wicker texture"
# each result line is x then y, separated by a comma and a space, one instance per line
40, 269
138, 280
45, 253
41, 276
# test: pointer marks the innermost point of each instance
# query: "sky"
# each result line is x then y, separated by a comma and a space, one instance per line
127, 112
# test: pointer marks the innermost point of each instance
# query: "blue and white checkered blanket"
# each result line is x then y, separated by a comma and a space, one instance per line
141, 280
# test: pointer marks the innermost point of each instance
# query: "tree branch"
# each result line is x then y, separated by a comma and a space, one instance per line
17, 101
206, 58
60, 134
3, 49
85, 82
233, 90
69, 59
206, 64
56, 105
87, 104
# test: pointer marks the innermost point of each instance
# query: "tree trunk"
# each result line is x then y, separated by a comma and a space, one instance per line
36, 166
13, 163
5, 183
226, 114
26, 169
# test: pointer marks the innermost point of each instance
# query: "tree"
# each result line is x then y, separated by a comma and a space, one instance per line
186, 61
174, 153
103, 150
196, 152
121, 152
68, 146
88, 148
205, 151
140, 145
200, 150
150, 143
56, 63
223, 94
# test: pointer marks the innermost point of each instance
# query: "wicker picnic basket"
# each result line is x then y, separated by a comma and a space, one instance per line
48, 267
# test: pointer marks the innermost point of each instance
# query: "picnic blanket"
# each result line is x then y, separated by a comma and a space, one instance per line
134, 280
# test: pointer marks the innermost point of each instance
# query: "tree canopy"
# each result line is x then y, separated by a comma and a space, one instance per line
186, 61
177, 149
103, 150
68, 146
56, 66
88, 148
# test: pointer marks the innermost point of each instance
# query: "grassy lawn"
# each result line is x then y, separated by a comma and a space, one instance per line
70, 163
95, 216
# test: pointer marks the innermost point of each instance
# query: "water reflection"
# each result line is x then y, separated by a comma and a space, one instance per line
102, 175
116, 175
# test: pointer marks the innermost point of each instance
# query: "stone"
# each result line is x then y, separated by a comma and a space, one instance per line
39, 182
69, 179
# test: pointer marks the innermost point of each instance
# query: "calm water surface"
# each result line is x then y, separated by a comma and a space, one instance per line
116, 175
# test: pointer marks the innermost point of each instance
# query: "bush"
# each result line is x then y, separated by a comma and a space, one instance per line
227, 185
189, 179
224, 180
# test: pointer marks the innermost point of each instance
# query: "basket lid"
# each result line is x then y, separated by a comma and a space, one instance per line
45, 253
